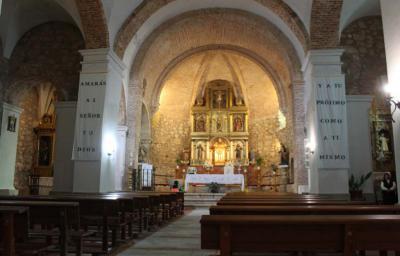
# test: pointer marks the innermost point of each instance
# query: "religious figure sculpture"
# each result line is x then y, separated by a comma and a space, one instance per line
219, 124
238, 152
142, 153
200, 124
383, 141
200, 152
284, 155
252, 156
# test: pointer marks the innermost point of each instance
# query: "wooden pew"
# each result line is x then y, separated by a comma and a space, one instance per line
249, 202
7, 224
304, 210
63, 215
305, 233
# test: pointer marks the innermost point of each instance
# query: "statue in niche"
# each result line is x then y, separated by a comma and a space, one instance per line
200, 124
142, 153
238, 124
219, 124
284, 155
383, 140
200, 152
238, 152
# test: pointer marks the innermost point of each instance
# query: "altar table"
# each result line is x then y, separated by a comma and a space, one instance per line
217, 178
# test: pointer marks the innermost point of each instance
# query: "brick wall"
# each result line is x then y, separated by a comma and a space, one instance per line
48, 52
94, 23
364, 60
324, 30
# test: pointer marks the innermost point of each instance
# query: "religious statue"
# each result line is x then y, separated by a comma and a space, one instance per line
200, 124
383, 140
284, 155
142, 153
219, 99
252, 156
200, 152
238, 152
219, 124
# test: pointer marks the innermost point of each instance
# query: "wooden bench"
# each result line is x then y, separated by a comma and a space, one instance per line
303, 210
300, 233
249, 202
7, 224
49, 214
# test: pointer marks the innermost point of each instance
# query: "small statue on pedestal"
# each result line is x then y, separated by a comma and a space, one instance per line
284, 155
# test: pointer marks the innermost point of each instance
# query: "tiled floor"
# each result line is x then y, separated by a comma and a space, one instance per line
180, 238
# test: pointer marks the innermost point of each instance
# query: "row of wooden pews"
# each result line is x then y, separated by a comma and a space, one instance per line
261, 222
97, 224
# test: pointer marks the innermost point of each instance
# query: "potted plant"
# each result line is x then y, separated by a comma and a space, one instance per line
259, 162
355, 186
213, 187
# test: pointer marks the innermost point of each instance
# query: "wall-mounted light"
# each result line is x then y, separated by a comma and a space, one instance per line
109, 144
310, 146
392, 92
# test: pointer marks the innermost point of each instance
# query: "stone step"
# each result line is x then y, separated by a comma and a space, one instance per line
202, 199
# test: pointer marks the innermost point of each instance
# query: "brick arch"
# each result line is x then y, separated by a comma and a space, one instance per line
325, 22
147, 8
94, 23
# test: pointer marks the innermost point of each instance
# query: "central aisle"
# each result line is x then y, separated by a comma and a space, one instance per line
180, 238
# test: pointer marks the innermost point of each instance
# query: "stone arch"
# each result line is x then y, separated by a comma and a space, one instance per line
325, 19
282, 97
94, 23
277, 10
56, 60
270, 47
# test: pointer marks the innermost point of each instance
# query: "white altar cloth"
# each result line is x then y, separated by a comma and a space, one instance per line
218, 178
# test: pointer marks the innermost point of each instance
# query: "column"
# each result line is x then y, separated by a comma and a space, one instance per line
360, 157
94, 151
326, 122
135, 95
391, 19
120, 166
9, 126
301, 176
65, 131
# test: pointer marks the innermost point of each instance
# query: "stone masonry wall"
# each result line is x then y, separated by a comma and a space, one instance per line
28, 101
364, 60
48, 52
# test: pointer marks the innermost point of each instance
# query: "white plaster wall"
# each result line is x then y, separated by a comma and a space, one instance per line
391, 32
360, 155
63, 164
302, 9
8, 147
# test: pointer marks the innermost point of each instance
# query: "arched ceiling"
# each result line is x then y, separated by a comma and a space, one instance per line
214, 29
353, 10
149, 17
19, 16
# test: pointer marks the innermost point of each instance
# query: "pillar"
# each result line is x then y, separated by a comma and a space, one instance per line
391, 19
120, 157
326, 125
9, 126
94, 151
301, 176
65, 130
360, 157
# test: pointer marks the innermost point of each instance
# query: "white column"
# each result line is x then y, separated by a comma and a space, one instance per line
120, 155
65, 129
95, 145
391, 20
9, 126
358, 107
326, 123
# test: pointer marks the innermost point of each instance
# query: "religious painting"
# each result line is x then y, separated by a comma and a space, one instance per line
12, 123
238, 123
200, 123
219, 99
45, 150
